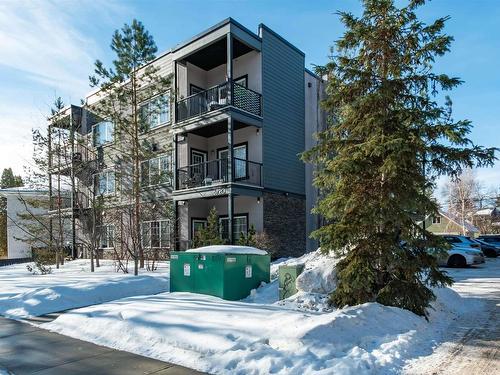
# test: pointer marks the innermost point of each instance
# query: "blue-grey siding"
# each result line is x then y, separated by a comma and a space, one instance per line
283, 112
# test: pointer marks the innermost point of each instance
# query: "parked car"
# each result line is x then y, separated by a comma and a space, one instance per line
491, 239
461, 257
464, 252
461, 241
488, 249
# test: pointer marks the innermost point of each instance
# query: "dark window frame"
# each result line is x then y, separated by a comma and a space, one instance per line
193, 219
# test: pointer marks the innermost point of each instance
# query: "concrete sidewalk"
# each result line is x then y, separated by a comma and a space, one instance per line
26, 349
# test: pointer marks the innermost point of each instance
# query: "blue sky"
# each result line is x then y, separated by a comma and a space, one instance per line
47, 48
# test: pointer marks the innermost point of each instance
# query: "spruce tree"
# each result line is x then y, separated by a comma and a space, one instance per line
210, 235
9, 180
390, 134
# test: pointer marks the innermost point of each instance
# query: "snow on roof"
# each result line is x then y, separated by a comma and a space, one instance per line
485, 211
23, 190
228, 249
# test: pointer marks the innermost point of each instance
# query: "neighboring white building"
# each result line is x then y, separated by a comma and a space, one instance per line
17, 248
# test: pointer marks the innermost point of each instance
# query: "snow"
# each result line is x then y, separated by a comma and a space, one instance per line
260, 335
73, 285
474, 333
227, 249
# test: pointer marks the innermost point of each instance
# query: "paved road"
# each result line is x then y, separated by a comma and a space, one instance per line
473, 345
26, 349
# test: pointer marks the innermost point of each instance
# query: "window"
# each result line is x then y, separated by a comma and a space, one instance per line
452, 239
107, 236
156, 111
243, 81
239, 226
196, 226
103, 132
156, 171
105, 182
193, 89
436, 220
155, 234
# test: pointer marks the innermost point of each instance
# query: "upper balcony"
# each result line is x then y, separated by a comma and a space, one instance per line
217, 74
216, 98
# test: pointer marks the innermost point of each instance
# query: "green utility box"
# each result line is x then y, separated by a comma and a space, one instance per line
224, 275
287, 277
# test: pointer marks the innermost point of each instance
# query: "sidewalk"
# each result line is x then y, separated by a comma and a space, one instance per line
26, 349
473, 345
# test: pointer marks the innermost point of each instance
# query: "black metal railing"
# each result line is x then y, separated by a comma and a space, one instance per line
217, 97
216, 171
61, 156
247, 100
82, 201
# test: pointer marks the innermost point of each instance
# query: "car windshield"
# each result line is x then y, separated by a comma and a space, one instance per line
468, 239
491, 239
452, 239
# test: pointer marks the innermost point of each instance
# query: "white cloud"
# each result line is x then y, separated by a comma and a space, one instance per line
46, 49
37, 38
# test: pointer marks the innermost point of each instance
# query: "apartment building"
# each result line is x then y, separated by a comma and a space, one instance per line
243, 110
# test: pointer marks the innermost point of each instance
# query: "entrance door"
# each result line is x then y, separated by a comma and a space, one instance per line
198, 165
239, 161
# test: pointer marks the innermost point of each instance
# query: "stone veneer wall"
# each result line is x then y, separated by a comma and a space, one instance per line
285, 223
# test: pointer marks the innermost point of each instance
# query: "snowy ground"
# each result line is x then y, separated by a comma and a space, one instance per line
261, 335
73, 285
472, 342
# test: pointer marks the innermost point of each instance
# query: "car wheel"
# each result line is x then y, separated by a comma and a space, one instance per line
457, 261
490, 253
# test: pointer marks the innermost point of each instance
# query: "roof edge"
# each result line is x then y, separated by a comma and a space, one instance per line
262, 26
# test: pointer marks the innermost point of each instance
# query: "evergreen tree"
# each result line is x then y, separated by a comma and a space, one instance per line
210, 235
9, 180
387, 140
130, 82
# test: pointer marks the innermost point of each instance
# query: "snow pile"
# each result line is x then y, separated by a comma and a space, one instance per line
297, 336
224, 337
228, 249
73, 285
314, 284
318, 275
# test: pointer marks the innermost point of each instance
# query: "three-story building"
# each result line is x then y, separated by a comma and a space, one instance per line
244, 109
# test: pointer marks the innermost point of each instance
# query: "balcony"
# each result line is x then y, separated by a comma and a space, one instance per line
216, 172
64, 203
62, 160
216, 98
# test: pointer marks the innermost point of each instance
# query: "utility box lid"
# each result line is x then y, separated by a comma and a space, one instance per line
225, 249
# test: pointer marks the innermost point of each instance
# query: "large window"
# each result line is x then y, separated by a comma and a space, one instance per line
240, 226
105, 182
155, 234
156, 111
156, 171
103, 132
107, 236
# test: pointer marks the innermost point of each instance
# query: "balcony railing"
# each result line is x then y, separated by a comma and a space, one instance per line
64, 202
216, 171
62, 159
216, 98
